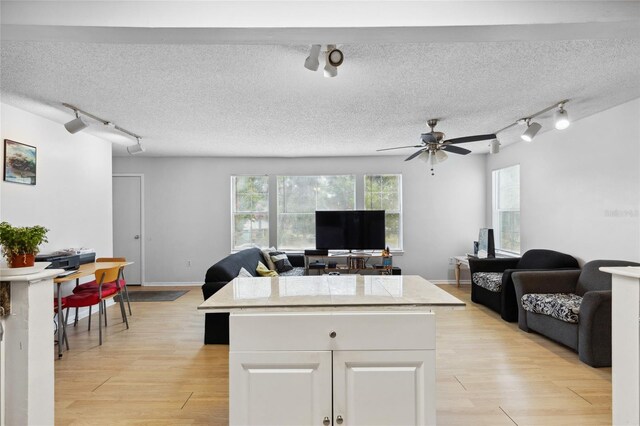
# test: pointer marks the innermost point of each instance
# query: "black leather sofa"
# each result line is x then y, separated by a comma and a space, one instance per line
216, 325
503, 301
590, 289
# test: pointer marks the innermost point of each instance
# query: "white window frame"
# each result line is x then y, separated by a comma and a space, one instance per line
495, 191
398, 212
234, 211
278, 213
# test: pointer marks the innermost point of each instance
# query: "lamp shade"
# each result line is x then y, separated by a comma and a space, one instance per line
440, 156
561, 119
531, 132
75, 125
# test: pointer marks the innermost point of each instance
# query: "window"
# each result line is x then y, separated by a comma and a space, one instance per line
249, 211
506, 208
298, 199
384, 192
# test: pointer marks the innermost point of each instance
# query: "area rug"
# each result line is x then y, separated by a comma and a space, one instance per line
155, 295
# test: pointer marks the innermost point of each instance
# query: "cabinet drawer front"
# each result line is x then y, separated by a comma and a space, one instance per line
351, 331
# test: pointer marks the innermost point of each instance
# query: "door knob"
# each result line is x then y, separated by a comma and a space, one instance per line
136, 237
339, 420
326, 421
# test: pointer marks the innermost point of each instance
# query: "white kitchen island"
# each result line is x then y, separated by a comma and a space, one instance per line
325, 350
625, 344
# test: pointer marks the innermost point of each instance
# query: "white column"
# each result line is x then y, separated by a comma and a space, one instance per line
28, 349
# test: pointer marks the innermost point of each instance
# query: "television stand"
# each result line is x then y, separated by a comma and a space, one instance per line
363, 263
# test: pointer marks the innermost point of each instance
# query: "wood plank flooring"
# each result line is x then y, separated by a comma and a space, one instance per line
159, 371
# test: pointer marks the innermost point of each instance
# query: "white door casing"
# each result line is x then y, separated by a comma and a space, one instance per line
128, 224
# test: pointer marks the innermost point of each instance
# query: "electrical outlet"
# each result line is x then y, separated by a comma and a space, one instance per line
188, 264
451, 261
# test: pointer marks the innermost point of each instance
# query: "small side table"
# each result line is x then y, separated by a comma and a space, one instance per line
460, 262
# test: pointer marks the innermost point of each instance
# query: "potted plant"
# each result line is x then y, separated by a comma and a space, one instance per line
21, 244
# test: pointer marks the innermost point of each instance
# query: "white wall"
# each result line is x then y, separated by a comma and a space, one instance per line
187, 205
580, 187
72, 196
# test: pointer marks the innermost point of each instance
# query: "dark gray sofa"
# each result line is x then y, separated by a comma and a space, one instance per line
503, 301
591, 335
216, 326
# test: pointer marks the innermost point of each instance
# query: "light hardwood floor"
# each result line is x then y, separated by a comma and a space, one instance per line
159, 372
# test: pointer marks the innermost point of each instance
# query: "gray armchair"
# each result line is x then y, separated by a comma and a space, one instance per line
570, 307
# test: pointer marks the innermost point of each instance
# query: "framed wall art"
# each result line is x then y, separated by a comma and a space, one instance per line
19, 162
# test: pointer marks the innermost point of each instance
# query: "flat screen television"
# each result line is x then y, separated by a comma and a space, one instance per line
350, 230
486, 245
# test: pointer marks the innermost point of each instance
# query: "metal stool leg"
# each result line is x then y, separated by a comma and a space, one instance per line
126, 292
75, 322
104, 310
123, 311
90, 318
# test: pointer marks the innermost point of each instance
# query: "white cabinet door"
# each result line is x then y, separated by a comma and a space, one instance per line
384, 388
279, 388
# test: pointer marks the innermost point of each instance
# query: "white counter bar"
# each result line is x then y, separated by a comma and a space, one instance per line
28, 380
332, 350
625, 344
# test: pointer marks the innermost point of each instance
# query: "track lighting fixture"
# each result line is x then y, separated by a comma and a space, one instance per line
80, 123
531, 132
75, 125
561, 118
494, 147
312, 63
135, 149
333, 58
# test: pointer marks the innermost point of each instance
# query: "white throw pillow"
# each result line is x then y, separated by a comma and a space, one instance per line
267, 258
244, 273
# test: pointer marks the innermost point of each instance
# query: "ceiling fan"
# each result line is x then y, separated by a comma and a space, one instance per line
433, 147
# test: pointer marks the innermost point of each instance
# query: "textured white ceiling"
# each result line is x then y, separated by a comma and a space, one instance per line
250, 100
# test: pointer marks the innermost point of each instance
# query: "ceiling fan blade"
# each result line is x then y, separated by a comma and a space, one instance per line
415, 154
471, 138
428, 138
399, 147
456, 149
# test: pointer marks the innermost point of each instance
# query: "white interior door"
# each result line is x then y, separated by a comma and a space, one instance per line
384, 388
127, 224
280, 388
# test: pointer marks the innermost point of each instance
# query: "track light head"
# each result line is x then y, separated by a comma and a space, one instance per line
531, 132
135, 149
561, 118
77, 124
494, 146
333, 59
312, 63
330, 70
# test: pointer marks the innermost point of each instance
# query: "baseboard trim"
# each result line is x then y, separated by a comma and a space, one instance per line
172, 284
